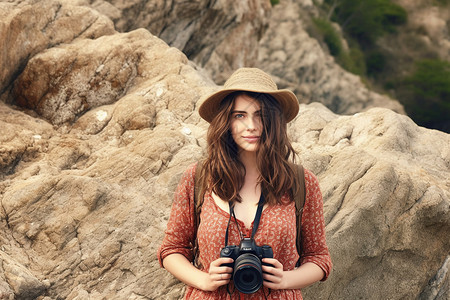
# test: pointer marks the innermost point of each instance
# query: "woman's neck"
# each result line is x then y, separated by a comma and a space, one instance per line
249, 161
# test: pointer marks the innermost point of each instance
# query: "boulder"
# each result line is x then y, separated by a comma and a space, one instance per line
29, 27
220, 36
17, 281
385, 183
62, 83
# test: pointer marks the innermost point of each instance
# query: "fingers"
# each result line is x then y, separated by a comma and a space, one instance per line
273, 274
274, 262
221, 261
219, 273
221, 265
224, 277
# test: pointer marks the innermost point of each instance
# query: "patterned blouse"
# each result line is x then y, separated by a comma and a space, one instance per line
277, 228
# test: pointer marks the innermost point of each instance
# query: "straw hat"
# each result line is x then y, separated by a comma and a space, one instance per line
250, 80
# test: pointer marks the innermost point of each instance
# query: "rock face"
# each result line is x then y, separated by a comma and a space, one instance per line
28, 28
385, 183
429, 23
300, 64
92, 144
208, 32
64, 82
222, 36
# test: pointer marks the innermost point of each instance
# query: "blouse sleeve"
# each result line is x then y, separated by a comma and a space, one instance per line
179, 235
314, 245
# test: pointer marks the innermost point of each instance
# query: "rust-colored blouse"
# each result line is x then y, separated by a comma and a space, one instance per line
277, 228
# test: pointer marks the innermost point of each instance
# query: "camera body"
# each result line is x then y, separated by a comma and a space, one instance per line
247, 265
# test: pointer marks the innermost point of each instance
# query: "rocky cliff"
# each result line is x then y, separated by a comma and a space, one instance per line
300, 64
96, 127
221, 36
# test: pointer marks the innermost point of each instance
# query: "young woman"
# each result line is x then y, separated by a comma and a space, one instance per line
249, 162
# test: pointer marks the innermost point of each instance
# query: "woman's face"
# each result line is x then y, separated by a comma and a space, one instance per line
246, 124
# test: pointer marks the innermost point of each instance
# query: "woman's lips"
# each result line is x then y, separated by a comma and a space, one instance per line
251, 139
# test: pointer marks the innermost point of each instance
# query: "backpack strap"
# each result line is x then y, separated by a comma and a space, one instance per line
198, 202
299, 199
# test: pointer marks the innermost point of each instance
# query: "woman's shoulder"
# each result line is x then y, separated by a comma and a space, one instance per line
191, 168
312, 185
310, 177
188, 175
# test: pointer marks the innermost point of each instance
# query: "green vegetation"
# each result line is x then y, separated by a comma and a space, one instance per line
442, 2
351, 60
363, 22
375, 62
367, 20
330, 35
274, 2
426, 93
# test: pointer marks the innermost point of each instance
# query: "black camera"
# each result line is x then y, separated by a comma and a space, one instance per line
247, 265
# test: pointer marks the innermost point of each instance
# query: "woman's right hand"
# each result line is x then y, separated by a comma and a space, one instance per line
218, 275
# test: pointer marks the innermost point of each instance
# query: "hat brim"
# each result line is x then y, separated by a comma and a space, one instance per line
209, 107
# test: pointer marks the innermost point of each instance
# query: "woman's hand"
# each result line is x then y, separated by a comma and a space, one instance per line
218, 275
277, 279
273, 275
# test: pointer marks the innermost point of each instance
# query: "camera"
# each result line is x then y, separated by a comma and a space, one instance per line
247, 265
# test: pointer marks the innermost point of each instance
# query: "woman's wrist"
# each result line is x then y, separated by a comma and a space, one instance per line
203, 281
181, 268
303, 276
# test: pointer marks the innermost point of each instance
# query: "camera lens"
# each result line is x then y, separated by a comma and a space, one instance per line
247, 275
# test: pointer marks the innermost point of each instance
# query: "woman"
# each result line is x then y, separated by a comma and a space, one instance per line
249, 162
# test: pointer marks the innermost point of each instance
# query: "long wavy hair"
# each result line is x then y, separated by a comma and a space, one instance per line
224, 173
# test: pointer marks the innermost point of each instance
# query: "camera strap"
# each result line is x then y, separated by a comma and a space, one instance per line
258, 215
255, 221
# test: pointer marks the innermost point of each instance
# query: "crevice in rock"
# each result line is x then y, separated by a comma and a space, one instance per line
52, 21
13, 165
416, 201
437, 286
6, 215
79, 34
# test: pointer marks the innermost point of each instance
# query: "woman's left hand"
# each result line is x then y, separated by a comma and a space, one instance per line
273, 275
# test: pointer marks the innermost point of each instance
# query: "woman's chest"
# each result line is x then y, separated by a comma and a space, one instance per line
277, 227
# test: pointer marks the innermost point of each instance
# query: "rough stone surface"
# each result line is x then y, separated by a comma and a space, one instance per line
208, 32
385, 183
427, 30
222, 36
29, 27
64, 82
85, 191
300, 64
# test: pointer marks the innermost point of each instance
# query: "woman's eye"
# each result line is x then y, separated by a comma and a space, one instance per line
238, 116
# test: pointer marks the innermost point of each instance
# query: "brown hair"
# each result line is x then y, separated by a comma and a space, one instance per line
224, 173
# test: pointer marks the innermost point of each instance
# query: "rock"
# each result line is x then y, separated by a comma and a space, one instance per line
252, 34
21, 138
385, 183
23, 284
29, 27
439, 286
300, 64
64, 82
425, 35
220, 36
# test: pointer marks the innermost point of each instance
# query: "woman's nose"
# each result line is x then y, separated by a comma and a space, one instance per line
251, 124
